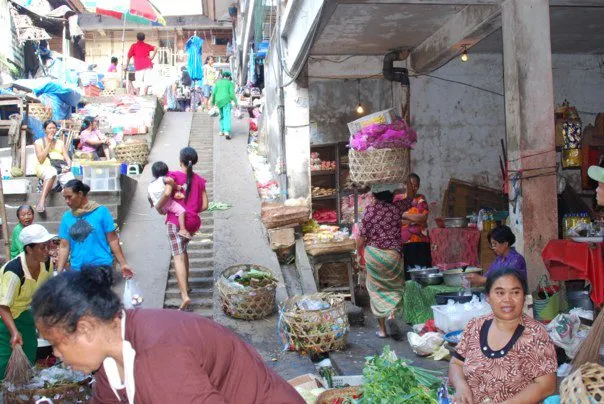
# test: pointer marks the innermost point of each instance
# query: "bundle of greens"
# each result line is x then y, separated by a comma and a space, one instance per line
255, 278
391, 380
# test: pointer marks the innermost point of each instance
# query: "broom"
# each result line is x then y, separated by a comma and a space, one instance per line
18, 369
590, 350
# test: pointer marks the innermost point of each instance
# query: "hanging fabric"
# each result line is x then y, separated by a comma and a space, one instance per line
194, 63
252, 68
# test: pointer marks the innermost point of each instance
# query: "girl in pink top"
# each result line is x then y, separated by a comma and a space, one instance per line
92, 139
194, 202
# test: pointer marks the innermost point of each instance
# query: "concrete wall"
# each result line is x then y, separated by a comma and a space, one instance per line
459, 127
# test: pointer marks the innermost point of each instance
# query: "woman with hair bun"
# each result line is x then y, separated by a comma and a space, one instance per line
87, 233
194, 202
149, 355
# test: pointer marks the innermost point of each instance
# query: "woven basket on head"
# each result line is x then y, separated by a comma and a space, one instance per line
332, 395
379, 166
584, 386
315, 331
132, 153
39, 111
246, 302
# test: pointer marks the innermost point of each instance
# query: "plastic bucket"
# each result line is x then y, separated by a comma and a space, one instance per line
580, 299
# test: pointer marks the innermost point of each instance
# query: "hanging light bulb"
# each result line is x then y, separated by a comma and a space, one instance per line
464, 55
359, 108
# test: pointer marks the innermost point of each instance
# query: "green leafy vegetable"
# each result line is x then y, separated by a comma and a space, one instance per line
391, 380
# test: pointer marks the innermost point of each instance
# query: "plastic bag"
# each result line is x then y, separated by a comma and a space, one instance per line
426, 344
213, 111
133, 297
564, 331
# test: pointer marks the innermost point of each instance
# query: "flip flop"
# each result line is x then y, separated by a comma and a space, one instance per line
188, 309
379, 335
393, 329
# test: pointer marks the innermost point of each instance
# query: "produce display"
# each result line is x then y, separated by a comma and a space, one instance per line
326, 234
318, 192
325, 216
392, 380
316, 164
253, 278
347, 206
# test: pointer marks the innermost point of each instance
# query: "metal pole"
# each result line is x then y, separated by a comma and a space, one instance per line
123, 46
65, 51
5, 239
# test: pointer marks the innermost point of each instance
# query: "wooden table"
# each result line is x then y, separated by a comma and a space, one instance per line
319, 260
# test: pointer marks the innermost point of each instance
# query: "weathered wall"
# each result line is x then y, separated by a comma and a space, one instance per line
459, 126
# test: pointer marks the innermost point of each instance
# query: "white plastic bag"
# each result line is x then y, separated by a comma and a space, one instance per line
213, 111
133, 297
565, 331
425, 344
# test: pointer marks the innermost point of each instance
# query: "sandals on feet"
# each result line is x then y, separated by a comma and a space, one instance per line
380, 335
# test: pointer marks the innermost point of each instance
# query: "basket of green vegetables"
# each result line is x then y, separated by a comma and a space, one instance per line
247, 291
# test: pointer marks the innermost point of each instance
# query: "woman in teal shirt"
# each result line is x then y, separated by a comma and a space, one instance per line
25, 215
223, 94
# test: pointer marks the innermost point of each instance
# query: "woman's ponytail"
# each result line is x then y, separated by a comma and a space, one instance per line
189, 179
188, 157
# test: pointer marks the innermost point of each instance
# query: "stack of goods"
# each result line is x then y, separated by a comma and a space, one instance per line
315, 323
275, 215
316, 164
318, 192
247, 292
58, 383
379, 153
568, 134
347, 206
328, 240
325, 216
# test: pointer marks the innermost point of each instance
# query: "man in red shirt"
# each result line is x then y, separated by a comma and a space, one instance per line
143, 65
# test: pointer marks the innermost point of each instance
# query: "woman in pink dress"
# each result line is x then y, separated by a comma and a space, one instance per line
92, 140
195, 202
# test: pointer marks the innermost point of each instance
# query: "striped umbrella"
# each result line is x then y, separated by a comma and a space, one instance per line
136, 11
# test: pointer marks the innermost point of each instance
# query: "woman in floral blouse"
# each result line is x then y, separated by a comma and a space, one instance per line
380, 237
506, 356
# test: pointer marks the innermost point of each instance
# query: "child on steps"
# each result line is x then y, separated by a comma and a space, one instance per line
156, 190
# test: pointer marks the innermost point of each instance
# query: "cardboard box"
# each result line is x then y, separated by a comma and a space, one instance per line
306, 382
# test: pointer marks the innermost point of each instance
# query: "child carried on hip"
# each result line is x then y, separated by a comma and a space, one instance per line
157, 189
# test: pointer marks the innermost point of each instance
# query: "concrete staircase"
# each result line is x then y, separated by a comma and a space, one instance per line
201, 247
56, 207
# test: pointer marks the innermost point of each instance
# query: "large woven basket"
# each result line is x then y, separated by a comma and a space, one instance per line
63, 394
39, 111
332, 395
379, 166
316, 331
132, 153
584, 386
246, 302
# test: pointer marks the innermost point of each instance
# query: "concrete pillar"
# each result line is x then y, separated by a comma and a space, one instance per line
529, 111
297, 137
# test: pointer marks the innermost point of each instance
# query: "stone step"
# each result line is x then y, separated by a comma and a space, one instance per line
174, 293
195, 253
193, 273
196, 303
198, 244
197, 282
198, 263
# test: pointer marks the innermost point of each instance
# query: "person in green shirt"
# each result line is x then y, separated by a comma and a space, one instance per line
223, 94
25, 215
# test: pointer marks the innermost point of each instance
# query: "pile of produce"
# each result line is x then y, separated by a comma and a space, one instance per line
391, 380
316, 164
395, 135
318, 192
326, 234
325, 216
253, 278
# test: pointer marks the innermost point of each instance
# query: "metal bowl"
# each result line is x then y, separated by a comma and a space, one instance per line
429, 279
453, 277
414, 273
456, 222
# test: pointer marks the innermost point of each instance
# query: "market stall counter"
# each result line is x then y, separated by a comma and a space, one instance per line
567, 260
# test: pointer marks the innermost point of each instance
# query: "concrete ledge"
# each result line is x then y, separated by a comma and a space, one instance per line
305, 270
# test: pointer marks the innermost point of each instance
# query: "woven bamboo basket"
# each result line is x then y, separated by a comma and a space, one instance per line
379, 166
584, 386
333, 247
132, 153
247, 302
281, 216
316, 331
330, 396
39, 111
63, 394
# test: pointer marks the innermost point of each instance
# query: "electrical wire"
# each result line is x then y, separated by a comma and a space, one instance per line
331, 60
462, 83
